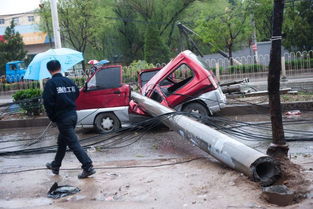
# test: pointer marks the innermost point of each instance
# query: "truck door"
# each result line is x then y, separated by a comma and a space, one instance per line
104, 89
11, 73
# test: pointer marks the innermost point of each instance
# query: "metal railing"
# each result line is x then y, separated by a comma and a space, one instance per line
294, 64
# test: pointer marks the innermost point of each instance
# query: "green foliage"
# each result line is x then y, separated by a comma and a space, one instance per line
80, 81
78, 22
263, 15
115, 30
12, 48
155, 50
298, 26
248, 68
29, 100
299, 64
130, 73
225, 26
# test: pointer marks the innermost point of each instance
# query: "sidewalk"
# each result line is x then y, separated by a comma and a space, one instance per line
5, 98
297, 84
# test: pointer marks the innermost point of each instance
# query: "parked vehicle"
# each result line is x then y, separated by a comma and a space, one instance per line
104, 100
14, 71
184, 84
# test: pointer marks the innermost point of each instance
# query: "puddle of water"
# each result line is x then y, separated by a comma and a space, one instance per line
22, 202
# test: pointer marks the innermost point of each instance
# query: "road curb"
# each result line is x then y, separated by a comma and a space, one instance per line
229, 110
247, 109
34, 122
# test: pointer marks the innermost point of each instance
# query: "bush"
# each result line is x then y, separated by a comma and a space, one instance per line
29, 100
130, 73
214, 69
299, 63
80, 81
249, 68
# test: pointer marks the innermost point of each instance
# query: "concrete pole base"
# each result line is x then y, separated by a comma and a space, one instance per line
278, 150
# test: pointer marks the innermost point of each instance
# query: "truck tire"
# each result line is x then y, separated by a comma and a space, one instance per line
107, 122
197, 108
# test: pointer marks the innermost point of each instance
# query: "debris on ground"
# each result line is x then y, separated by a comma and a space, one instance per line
278, 194
293, 113
56, 191
291, 188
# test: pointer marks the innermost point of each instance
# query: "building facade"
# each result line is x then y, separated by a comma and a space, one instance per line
27, 24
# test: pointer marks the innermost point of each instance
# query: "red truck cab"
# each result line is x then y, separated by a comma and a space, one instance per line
184, 84
103, 101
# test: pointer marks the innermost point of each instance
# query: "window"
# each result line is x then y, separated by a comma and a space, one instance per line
15, 20
146, 76
182, 72
105, 79
1, 21
31, 18
180, 77
12, 67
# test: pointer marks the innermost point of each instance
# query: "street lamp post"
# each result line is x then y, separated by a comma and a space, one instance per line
55, 23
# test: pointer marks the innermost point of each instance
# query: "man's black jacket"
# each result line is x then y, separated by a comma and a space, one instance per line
59, 97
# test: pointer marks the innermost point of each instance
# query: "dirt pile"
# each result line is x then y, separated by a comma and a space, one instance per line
294, 179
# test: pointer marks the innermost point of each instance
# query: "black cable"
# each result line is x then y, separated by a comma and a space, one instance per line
214, 122
239, 132
110, 167
52, 148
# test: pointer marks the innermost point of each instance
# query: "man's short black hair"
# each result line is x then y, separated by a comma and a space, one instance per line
53, 65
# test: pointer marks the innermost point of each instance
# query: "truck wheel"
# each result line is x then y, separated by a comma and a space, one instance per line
196, 108
107, 122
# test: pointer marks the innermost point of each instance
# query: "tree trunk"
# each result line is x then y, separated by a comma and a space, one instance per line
83, 66
278, 146
230, 54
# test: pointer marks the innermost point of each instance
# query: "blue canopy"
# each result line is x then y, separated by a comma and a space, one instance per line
37, 69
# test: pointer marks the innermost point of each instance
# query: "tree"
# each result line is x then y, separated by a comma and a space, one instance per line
132, 34
77, 22
298, 26
155, 50
46, 24
278, 147
116, 29
158, 15
263, 16
13, 47
225, 28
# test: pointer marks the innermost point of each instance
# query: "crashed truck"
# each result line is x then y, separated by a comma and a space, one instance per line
184, 84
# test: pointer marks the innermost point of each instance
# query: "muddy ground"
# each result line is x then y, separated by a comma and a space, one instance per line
163, 171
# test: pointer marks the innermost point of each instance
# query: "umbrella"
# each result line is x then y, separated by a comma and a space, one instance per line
93, 62
102, 62
37, 69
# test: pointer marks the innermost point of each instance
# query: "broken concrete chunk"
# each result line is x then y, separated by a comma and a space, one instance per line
278, 195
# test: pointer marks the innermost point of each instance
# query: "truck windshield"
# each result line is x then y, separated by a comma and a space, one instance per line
21, 65
17, 66
146, 76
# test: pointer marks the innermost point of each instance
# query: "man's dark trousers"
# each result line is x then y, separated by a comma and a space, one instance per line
67, 137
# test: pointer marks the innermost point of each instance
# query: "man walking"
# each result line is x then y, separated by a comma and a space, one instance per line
59, 98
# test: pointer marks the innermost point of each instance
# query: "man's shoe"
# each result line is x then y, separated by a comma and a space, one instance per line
55, 170
90, 171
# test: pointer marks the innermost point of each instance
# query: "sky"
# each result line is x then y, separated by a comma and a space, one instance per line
17, 6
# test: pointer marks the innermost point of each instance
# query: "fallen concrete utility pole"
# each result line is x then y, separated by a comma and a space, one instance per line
236, 155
